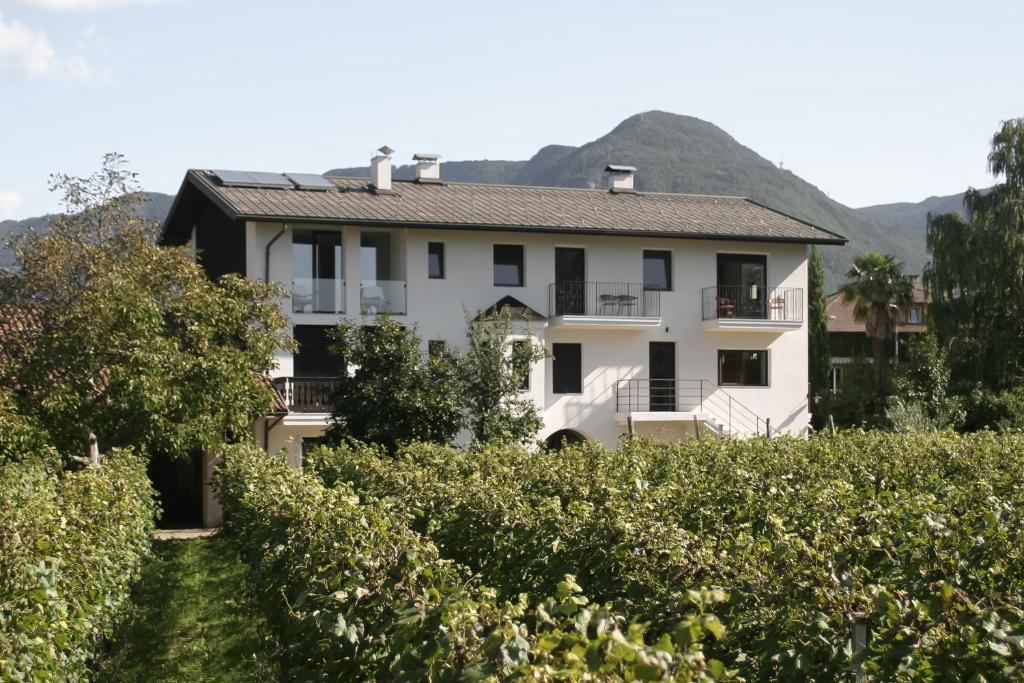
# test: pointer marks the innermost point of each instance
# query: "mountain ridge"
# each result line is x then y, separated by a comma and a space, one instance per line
676, 153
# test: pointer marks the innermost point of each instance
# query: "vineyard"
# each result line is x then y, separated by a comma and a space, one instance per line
880, 555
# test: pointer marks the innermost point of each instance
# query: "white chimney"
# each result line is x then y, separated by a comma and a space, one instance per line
620, 178
428, 168
380, 170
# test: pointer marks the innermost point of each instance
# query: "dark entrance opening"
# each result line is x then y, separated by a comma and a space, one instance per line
662, 358
179, 487
563, 438
570, 273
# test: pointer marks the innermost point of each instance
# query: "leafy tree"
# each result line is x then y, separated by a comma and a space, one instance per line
494, 371
820, 356
387, 393
922, 389
132, 341
976, 272
878, 289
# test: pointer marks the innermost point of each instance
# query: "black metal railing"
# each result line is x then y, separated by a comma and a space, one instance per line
688, 395
782, 304
603, 299
306, 394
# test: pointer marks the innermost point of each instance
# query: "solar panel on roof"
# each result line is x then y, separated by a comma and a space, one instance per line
310, 181
252, 179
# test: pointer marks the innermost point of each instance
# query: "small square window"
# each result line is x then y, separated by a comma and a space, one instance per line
566, 369
520, 362
435, 260
508, 265
657, 271
915, 315
436, 347
743, 368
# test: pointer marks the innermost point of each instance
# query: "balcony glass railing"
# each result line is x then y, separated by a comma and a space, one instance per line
382, 296
753, 302
603, 299
318, 295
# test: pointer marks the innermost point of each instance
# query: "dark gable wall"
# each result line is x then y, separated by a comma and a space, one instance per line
220, 241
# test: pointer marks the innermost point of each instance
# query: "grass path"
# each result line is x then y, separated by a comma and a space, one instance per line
191, 621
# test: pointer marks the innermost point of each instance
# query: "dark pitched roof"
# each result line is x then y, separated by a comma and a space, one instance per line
501, 207
515, 308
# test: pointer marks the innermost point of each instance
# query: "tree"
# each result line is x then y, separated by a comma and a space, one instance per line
820, 357
130, 340
387, 393
878, 290
976, 272
494, 370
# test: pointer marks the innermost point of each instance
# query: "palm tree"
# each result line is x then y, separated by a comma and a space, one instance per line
879, 291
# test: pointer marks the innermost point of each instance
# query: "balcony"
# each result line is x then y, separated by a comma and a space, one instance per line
603, 305
305, 394
382, 296
752, 308
318, 295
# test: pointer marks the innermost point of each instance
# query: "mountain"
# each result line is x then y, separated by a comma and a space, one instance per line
676, 153
155, 209
913, 218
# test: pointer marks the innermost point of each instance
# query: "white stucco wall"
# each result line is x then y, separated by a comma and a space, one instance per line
438, 308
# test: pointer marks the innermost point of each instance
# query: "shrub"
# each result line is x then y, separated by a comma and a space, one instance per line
921, 535
70, 546
355, 594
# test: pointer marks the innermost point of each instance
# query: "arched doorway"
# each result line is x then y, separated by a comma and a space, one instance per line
563, 438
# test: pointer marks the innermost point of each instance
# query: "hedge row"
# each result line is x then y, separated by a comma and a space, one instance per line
355, 594
70, 546
920, 537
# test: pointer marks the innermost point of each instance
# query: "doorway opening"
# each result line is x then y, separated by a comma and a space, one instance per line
563, 438
662, 359
179, 487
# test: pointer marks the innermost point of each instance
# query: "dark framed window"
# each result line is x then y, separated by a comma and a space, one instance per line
436, 347
521, 362
566, 368
743, 368
508, 265
315, 357
317, 279
435, 260
657, 270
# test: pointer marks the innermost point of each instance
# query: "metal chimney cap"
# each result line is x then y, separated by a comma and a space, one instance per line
613, 168
425, 157
386, 151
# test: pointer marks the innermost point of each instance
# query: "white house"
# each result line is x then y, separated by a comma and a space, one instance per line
663, 313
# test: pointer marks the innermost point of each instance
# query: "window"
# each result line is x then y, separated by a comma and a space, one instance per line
915, 315
435, 348
520, 362
315, 357
435, 260
508, 265
308, 443
657, 271
566, 369
743, 368
317, 282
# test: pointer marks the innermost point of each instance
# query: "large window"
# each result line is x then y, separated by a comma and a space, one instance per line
435, 260
315, 357
657, 271
317, 283
508, 265
520, 362
566, 369
743, 368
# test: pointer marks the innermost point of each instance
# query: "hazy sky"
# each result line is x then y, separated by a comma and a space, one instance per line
871, 101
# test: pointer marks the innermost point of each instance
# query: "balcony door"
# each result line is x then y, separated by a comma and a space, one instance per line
317, 282
742, 282
570, 278
662, 363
